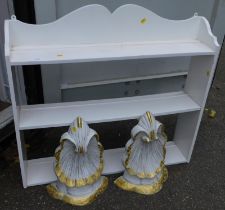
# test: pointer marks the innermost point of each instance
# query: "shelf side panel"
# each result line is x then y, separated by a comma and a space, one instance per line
199, 80
206, 36
186, 132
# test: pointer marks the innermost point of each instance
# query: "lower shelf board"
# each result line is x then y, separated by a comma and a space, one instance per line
40, 171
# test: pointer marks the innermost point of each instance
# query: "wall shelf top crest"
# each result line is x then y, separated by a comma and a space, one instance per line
93, 33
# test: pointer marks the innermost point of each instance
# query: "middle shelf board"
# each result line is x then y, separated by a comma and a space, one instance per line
105, 110
41, 171
31, 55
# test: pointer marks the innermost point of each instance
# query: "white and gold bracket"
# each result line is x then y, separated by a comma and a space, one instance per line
144, 158
78, 166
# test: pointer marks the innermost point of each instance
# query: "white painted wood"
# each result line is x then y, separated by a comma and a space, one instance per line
107, 52
83, 72
126, 89
80, 73
173, 154
104, 82
112, 160
211, 40
123, 25
62, 114
202, 70
19, 137
184, 138
129, 32
40, 171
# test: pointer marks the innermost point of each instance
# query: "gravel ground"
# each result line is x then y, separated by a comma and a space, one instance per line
197, 185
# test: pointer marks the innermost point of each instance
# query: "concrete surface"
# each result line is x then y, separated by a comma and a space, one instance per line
198, 185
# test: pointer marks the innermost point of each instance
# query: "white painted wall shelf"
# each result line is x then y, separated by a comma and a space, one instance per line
130, 32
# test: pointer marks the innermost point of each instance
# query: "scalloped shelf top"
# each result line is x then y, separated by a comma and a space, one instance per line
93, 33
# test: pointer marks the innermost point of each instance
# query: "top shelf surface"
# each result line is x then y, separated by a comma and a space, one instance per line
129, 32
106, 52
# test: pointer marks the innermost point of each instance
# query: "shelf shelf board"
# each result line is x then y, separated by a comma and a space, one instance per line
105, 110
31, 55
41, 171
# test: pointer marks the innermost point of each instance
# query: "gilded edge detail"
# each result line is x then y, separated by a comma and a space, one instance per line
79, 201
78, 182
79, 122
149, 117
143, 189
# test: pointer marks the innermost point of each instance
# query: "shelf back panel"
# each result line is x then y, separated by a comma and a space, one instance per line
95, 24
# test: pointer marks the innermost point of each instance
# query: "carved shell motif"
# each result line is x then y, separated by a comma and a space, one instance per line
145, 152
79, 158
